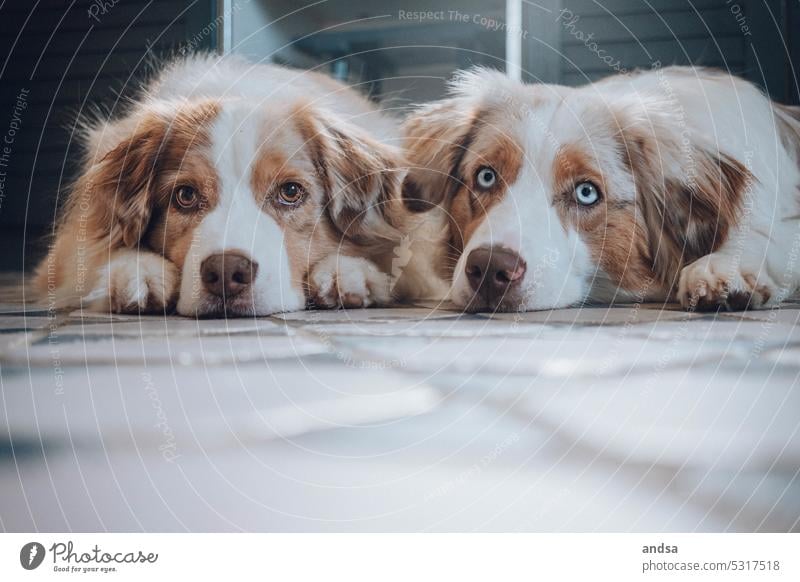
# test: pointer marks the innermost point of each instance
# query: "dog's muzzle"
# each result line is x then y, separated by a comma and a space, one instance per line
228, 280
495, 275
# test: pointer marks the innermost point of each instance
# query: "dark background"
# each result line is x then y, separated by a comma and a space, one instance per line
75, 56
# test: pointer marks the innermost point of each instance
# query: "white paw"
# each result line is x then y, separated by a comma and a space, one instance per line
341, 281
718, 280
136, 282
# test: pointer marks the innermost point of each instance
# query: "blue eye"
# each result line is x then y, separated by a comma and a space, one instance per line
485, 178
586, 194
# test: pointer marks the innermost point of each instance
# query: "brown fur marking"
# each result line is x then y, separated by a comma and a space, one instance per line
685, 217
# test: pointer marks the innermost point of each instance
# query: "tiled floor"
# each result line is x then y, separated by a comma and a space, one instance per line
620, 419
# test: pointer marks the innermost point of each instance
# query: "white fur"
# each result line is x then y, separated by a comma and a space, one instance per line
133, 281
715, 111
237, 223
342, 281
256, 100
728, 115
558, 264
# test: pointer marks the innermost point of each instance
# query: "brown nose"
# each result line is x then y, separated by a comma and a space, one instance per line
227, 274
493, 271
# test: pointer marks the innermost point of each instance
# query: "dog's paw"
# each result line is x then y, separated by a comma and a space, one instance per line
717, 281
136, 282
348, 282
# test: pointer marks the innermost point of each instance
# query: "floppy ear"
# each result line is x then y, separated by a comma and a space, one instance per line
689, 193
361, 176
436, 138
120, 184
109, 206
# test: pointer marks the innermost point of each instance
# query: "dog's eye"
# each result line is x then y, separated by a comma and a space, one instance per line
185, 197
290, 193
586, 194
485, 178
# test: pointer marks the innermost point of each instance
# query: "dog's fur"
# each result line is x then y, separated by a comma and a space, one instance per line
698, 174
233, 132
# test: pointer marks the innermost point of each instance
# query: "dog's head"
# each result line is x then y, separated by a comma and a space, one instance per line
244, 198
556, 196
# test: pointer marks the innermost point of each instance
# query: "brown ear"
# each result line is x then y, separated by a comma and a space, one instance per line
689, 194
121, 183
361, 176
436, 138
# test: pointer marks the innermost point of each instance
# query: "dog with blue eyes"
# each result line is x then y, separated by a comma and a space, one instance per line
676, 184
230, 189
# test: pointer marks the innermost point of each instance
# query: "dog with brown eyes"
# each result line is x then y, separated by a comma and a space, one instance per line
672, 184
229, 189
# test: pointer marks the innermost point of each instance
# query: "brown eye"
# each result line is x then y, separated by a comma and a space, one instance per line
185, 197
290, 193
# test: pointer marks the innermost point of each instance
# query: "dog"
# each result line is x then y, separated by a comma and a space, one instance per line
671, 184
229, 188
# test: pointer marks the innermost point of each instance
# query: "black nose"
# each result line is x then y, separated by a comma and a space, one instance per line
494, 271
227, 274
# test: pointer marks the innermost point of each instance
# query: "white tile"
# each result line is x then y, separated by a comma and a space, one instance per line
784, 355
154, 326
283, 486
711, 328
179, 351
783, 315
210, 407
22, 322
587, 351
703, 417
467, 326
378, 315
595, 315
